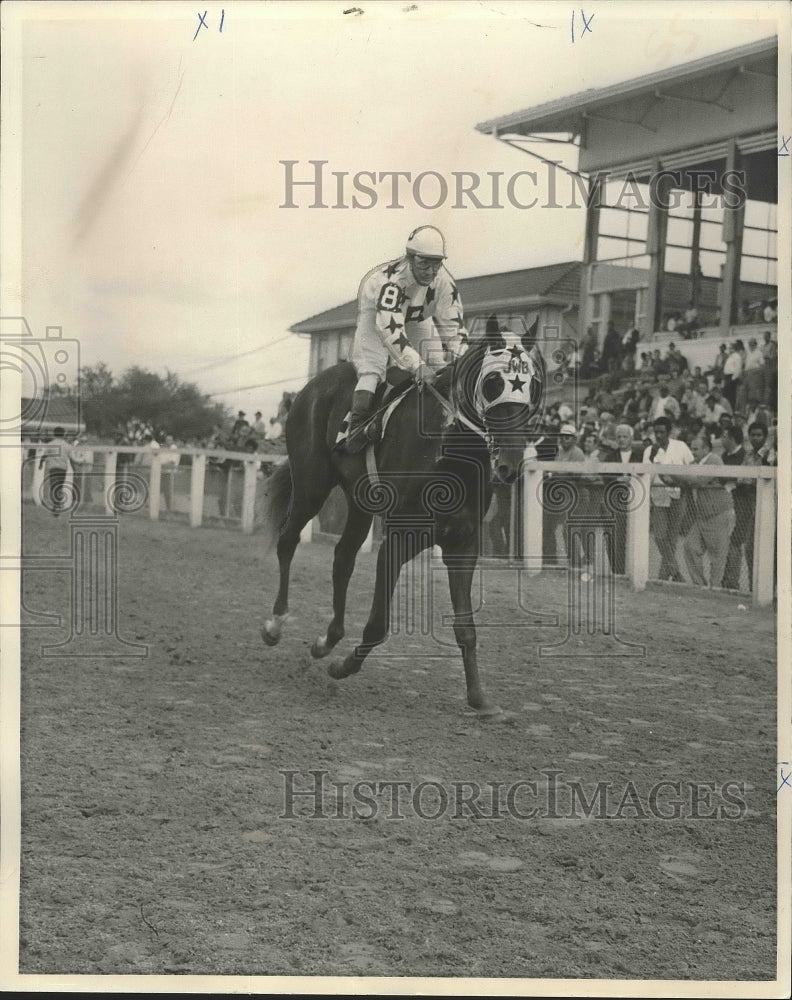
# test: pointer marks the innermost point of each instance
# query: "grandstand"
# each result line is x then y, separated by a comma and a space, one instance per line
682, 177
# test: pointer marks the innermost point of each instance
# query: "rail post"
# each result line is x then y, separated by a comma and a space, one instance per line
197, 479
38, 477
532, 519
637, 556
155, 478
111, 457
764, 542
249, 496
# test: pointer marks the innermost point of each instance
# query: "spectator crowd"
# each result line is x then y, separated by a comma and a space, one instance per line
663, 413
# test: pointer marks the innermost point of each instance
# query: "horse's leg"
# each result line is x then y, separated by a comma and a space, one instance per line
354, 534
398, 546
303, 508
461, 566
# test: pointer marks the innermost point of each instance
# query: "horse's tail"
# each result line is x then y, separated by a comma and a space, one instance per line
277, 501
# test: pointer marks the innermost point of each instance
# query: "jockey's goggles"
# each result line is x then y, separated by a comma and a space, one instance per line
433, 262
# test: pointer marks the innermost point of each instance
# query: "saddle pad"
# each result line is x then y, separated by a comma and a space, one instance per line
343, 430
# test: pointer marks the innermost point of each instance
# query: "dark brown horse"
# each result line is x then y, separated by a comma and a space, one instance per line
436, 461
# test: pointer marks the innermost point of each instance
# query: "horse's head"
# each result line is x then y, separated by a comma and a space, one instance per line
502, 391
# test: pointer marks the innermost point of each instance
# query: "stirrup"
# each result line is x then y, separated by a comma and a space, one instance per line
358, 438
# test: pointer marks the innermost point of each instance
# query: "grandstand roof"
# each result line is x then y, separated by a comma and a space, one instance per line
531, 286
568, 114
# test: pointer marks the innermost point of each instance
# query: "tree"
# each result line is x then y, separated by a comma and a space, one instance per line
168, 404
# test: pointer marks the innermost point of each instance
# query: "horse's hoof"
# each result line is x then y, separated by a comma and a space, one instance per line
485, 709
339, 669
270, 640
320, 648
493, 713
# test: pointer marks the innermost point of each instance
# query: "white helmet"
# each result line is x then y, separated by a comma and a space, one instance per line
426, 241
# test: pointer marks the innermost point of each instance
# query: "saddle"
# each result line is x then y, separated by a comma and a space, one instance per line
388, 395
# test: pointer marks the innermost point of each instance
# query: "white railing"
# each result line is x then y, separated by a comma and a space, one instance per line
530, 542
638, 536
252, 461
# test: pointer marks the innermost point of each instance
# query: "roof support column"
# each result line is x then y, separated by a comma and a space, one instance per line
733, 225
659, 188
591, 236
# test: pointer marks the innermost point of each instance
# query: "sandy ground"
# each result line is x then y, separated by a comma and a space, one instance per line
152, 837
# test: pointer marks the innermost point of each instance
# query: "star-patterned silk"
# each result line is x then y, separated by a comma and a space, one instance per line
398, 318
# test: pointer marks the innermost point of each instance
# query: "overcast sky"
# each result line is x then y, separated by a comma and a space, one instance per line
151, 222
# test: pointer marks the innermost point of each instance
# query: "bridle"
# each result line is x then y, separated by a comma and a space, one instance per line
494, 362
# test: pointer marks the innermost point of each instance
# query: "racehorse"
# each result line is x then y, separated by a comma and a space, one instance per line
435, 464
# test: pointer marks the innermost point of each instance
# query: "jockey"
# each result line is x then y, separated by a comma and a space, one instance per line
410, 316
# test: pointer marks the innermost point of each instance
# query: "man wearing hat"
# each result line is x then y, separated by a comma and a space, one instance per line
410, 316
567, 452
625, 450
570, 452
666, 511
238, 423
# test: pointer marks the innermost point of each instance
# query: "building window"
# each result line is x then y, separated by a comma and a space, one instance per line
623, 223
759, 263
695, 255
327, 351
344, 345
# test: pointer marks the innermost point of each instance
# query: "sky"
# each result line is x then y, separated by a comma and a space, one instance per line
152, 226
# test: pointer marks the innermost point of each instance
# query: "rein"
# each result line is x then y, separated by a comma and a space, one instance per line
458, 415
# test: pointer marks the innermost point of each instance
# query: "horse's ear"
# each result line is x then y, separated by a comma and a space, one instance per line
529, 337
492, 334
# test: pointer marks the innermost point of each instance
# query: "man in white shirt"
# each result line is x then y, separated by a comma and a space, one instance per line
664, 405
82, 460
259, 427
752, 388
770, 354
754, 357
145, 458
56, 462
666, 513
769, 348
732, 374
694, 401
169, 462
626, 450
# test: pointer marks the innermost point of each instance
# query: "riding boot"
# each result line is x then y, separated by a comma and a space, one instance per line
358, 436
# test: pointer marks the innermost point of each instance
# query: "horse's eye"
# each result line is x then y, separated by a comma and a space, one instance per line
492, 387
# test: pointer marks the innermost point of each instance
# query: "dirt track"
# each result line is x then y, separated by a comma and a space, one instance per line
152, 841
